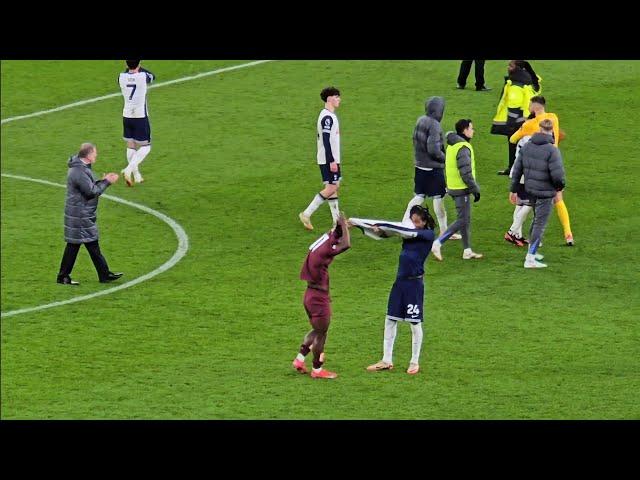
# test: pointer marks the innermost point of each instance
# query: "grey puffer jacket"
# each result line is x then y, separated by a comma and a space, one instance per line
428, 142
463, 162
541, 163
83, 190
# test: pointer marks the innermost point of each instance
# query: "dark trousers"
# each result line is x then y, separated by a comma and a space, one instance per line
69, 259
513, 147
465, 68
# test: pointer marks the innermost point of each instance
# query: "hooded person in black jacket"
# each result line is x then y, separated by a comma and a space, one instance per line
521, 84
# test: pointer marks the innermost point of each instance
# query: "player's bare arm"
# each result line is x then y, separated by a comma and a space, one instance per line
345, 239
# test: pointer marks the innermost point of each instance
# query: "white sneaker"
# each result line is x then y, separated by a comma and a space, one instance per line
532, 262
306, 221
468, 255
455, 236
539, 256
435, 249
137, 178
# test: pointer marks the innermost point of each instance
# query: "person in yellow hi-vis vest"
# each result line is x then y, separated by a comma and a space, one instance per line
520, 85
529, 128
460, 173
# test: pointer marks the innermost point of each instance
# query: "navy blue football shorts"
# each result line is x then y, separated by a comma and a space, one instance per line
405, 300
328, 176
137, 130
430, 183
523, 197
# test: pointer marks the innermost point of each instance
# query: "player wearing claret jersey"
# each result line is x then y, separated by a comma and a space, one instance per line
137, 130
317, 301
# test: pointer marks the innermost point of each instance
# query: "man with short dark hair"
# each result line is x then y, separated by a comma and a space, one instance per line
460, 168
135, 119
541, 163
83, 191
328, 158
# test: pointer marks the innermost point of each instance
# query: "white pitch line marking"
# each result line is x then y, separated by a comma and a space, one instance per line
183, 246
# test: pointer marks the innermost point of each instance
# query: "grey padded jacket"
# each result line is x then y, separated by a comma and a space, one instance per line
541, 163
428, 142
83, 191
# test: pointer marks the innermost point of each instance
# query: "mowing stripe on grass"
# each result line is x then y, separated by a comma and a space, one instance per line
183, 246
118, 94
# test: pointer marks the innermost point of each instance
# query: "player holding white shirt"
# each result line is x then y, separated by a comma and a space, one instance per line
136, 128
328, 158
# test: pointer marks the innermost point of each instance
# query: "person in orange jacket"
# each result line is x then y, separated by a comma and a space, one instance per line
528, 128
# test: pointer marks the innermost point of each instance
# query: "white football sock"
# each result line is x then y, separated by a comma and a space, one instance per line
335, 210
520, 215
416, 342
441, 213
314, 205
139, 157
130, 153
300, 357
417, 200
390, 330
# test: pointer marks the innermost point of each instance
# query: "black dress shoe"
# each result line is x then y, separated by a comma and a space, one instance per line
67, 281
111, 277
483, 89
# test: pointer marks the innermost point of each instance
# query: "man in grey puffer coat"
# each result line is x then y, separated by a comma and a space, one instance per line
428, 147
83, 191
541, 163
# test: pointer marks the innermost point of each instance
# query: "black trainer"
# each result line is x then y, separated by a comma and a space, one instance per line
67, 281
506, 171
460, 87
484, 88
111, 277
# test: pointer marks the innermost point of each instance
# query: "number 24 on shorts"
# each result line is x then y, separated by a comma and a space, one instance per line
413, 309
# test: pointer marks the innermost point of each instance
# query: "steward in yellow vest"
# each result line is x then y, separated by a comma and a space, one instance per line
460, 172
460, 166
520, 86
513, 109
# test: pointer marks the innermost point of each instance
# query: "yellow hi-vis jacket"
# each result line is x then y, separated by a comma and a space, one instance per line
454, 180
515, 98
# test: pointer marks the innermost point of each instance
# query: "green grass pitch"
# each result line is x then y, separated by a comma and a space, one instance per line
233, 161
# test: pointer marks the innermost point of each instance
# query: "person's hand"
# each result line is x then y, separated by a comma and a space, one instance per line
333, 166
111, 177
476, 197
513, 198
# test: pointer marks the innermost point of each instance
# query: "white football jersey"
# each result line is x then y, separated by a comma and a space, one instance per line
134, 92
519, 145
328, 123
